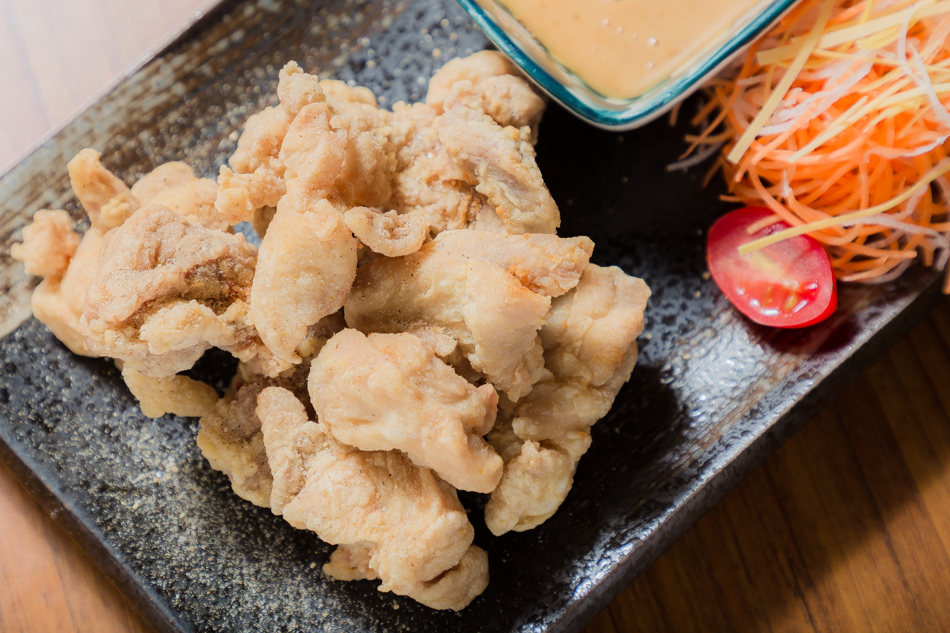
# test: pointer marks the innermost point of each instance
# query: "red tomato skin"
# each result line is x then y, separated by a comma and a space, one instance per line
763, 285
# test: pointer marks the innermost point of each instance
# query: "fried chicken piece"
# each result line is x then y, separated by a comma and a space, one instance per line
456, 587
499, 163
330, 138
307, 149
427, 183
389, 234
370, 158
453, 589
590, 350
474, 69
338, 149
230, 438
50, 245
49, 242
255, 177
412, 523
487, 81
313, 151
476, 294
390, 391
308, 257
444, 183
241, 197
166, 290
546, 264
108, 201
336, 90
230, 435
330, 141
166, 176
105, 198
54, 251
178, 395
297, 89
496, 329
259, 144
175, 187
305, 268
507, 99
536, 481
592, 332
59, 306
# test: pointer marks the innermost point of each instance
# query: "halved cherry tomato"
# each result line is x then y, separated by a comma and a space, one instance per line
788, 284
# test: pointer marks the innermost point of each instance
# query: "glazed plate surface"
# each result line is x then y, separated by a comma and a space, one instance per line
711, 396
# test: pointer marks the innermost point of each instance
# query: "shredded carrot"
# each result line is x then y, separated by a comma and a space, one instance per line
842, 131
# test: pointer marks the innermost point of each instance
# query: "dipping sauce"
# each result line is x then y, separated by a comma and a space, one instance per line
622, 48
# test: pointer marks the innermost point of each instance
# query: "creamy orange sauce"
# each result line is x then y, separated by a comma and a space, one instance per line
622, 48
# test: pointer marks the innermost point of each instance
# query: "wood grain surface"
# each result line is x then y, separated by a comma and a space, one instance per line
846, 528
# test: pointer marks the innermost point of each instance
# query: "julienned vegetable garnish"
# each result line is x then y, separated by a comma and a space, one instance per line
838, 123
787, 284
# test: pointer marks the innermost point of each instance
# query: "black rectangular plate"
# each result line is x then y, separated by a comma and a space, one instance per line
711, 397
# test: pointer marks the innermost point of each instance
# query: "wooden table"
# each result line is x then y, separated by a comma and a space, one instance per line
846, 528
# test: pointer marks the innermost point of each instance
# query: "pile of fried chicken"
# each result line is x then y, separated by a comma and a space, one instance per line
410, 326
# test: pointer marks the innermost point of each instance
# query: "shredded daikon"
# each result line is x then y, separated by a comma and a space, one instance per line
839, 123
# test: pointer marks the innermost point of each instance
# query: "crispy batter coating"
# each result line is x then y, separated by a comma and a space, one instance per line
49, 242
507, 99
499, 163
590, 350
105, 198
535, 483
328, 140
390, 391
166, 290
370, 156
178, 395
54, 251
296, 89
444, 285
473, 69
305, 269
427, 183
108, 201
255, 176
337, 90
411, 521
338, 145
389, 234
260, 143
453, 589
313, 151
230, 435
241, 197
230, 438
546, 264
489, 82
175, 187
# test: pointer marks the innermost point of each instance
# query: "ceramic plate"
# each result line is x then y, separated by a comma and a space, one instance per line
711, 396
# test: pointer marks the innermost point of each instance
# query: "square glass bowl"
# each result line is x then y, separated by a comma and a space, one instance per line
511, 36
